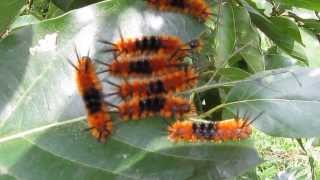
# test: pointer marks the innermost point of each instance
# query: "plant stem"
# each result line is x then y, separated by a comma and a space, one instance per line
211, 111
212, 86
310, 158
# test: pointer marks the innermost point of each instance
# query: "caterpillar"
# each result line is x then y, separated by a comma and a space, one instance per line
156, 64
177, 81
152, 44
231, 129
164, 106
197, 8
90, 88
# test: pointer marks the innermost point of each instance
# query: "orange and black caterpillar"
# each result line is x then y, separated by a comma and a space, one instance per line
174, 82
197, 8
156, 64
90, 88
164, 106
153, 44
231, 129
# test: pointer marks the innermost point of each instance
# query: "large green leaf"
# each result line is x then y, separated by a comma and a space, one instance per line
41, 120
289, 98
308, 4
131, 153
8, 11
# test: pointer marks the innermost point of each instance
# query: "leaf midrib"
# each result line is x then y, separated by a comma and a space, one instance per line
35, 130
271, 99
24, 95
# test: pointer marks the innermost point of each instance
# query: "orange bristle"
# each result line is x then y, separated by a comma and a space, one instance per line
232, 129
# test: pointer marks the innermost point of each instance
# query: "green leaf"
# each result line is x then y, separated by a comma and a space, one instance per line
276, 33
276, 58
23, 21
131, 154
42, 123
233, 74
237, 36
225, 36
254, 58
275, 61
288, 97
67, 5
279, 36
248, 37
312, 24
288, 27
311, 48
308, 4
8, 12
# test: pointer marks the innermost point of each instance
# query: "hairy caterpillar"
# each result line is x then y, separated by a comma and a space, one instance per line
90, 88
173, 82
231, 129
152, 44
164, 106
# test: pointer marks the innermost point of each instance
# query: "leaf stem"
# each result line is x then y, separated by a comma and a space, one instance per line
212, 86
211, 111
